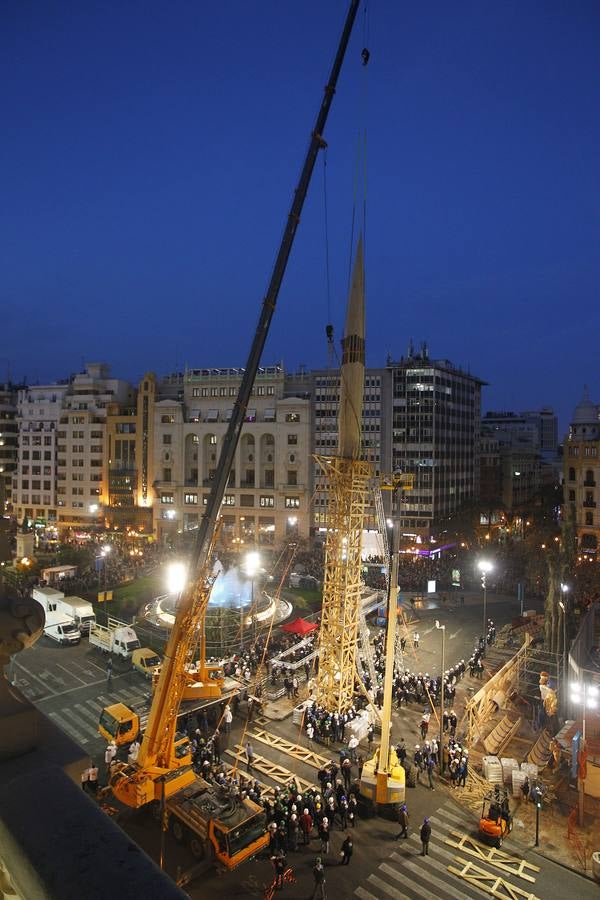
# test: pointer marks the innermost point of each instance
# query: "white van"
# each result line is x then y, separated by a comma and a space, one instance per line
61, 628
81, 610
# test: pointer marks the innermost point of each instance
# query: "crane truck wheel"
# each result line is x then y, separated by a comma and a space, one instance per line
197, 847
178, 830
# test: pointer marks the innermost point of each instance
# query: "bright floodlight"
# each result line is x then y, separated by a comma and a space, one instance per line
591, 704
576, 688
564, 588
484, 565
251, 564
107, 548
389, 523
93, 507
176, 577
592, 691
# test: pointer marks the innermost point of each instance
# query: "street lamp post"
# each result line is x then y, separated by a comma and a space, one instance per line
563, 605
484, 567
442, 628
587, 695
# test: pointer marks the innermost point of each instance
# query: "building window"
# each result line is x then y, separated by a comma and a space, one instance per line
191, 498
250, 415
270, 390
292, 417
571, 474
229, 500
166, 474
292, 477
167, 498
260, 391
166, 438
195, 392
267, 502
589, 518
292, 439
247, 500
212, 416
292, 502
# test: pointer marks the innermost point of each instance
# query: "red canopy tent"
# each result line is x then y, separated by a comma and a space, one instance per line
300, 627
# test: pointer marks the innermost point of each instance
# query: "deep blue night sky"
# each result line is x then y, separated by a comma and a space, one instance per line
149, 152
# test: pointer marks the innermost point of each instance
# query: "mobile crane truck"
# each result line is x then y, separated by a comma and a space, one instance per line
216, 824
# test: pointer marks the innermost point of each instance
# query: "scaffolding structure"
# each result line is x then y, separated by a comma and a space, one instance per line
347, 494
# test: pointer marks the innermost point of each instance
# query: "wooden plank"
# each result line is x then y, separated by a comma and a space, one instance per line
277, 773
303, 754
489, 882
514, 865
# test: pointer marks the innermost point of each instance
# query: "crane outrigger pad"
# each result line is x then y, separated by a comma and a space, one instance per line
489, 882
507, 862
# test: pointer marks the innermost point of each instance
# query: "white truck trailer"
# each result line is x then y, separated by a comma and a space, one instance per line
60, 626
81, 610
117, 637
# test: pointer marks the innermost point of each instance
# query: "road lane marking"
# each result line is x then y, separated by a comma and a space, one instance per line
71, 674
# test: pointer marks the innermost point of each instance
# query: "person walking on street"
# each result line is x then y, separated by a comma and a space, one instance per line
279, 865
425, 836
249, 756
370, 735
416, 640
306, 824
319, 880
227, 719
109, 755
216, 746
352, 745
430, 765
109, 669
525, 789
324, 835
346, 851
93, 778
403, 822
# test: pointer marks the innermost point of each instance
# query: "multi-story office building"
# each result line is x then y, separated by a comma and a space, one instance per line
35, 497
9, 440
582, 474
127, 495
268, 494
62, 430
436, 412
538, 428
509, 472
325, 394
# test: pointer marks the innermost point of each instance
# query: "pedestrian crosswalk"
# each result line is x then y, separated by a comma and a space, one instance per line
80, 720
406, 875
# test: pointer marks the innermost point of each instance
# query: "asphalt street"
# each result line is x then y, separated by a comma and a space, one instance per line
70, 685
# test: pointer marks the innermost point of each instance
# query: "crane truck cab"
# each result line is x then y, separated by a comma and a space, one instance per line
118, 723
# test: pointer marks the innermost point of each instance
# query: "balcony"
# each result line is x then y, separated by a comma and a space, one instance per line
191, 482
291, 487
590, 483
248, 484
589, 504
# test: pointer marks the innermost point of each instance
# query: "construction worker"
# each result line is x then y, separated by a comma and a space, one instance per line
93, 778
403, 820
425, 836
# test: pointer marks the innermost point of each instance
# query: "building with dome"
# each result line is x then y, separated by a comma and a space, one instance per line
582, 474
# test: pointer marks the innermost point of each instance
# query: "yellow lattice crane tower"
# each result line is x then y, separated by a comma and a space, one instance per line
348, 479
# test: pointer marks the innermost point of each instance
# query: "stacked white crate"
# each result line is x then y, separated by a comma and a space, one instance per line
518, 777
508, 766
492, 770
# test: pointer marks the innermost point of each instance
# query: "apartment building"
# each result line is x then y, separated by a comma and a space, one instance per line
35, 497
435, 414
9, 439
268, 494
582, 474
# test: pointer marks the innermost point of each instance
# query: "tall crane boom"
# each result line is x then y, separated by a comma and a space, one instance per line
159, 759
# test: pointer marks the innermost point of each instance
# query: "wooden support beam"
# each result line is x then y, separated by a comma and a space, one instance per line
303, 754
273, 771
489, 882
506, 862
